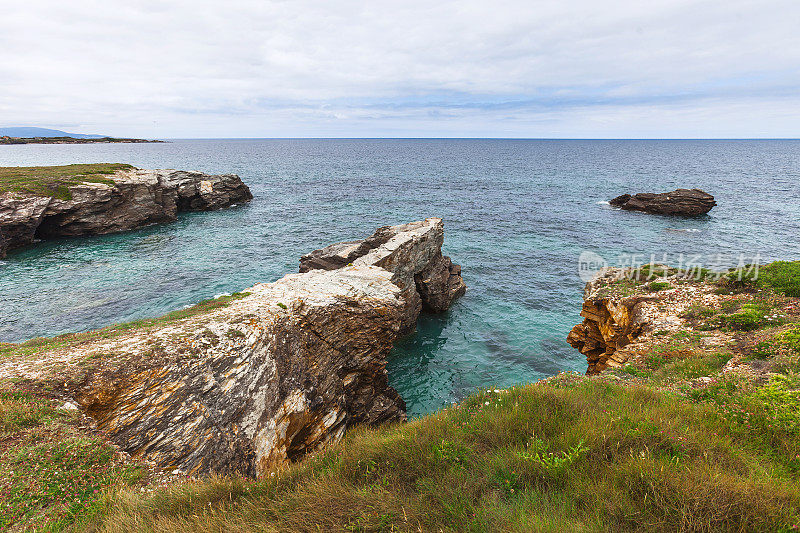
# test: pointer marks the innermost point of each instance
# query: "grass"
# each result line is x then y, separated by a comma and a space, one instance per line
656, 286
783, 277
647, 449
55, 181
742, 313
782, 350
577, 455
679, 356
50, 471
619, 288
41, 344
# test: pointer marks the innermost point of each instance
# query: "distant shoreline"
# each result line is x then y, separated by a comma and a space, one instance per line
70, 140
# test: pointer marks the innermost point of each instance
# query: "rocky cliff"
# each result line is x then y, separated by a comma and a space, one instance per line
627, 312
612, 320
428, 280
279, 371
129, 199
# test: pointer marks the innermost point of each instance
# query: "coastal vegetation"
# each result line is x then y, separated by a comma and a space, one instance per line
55, 181
52, 469
567, 454
697, 432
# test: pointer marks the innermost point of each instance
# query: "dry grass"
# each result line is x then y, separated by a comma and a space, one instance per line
507, 461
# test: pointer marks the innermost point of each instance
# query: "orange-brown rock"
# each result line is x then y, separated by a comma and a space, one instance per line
610, 322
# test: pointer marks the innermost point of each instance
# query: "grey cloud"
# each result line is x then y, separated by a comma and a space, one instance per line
255, 68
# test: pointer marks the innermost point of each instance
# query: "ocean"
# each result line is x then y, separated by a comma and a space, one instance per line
518, 215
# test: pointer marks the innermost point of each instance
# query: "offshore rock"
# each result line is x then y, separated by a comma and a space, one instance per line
413, 253
277, 372
137, 198
680, 202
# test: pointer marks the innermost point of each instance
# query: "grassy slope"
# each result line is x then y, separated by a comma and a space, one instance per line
52, 468
643, 449
573, 454
55, 181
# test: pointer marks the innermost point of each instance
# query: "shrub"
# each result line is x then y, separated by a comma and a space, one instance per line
748, 318
783, 350
656, 286
783, 277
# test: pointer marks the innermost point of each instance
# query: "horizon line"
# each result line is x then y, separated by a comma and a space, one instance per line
492, 138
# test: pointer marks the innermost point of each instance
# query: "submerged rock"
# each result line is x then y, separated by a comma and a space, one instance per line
136, 198
681, 202
278, 372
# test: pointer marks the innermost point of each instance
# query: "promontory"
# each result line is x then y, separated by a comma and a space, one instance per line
242, 383
65, 201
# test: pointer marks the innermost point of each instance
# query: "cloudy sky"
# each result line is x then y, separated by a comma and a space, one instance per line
256, 68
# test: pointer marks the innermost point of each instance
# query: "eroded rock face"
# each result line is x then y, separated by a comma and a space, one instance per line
258, 384
137, 198
680, 202
264, 380
413, 253
610, 323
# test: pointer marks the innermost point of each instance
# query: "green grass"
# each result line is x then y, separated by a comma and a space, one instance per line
783, 277
679, 356
581, 456
41, 344
620, 288
55, 181
50, 472
744, 313
782, 350
656, 286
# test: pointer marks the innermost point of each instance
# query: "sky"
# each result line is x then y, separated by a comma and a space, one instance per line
530, 69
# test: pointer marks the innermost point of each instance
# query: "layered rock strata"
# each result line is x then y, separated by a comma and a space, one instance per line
269, 377
429, 280
610, 323
136, 198
680, 202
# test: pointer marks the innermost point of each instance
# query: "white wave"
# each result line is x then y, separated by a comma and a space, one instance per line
220, 295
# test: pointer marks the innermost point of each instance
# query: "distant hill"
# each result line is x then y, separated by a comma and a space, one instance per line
43, 132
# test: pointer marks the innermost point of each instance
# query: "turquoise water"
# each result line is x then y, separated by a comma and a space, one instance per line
517, 215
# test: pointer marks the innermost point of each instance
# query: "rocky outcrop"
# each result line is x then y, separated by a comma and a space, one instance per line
274, 374
136, 198
430, 280
611, 322
680, 202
